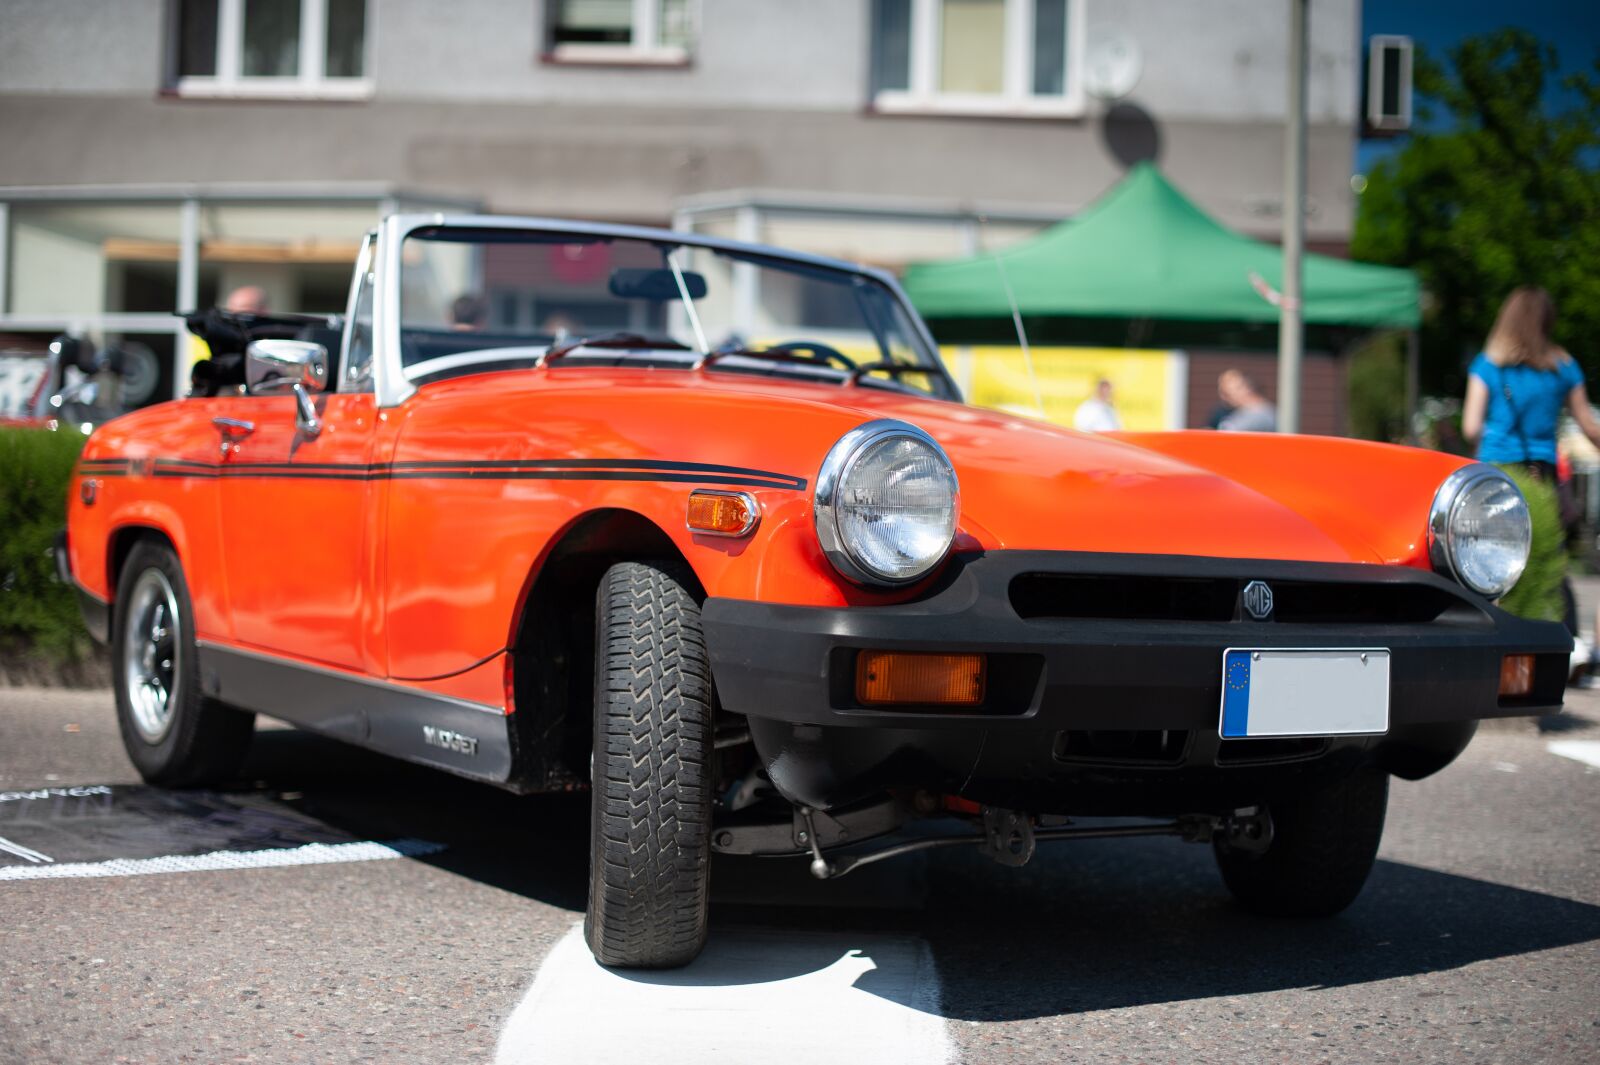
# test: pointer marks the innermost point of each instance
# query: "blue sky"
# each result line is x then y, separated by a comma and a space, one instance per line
1572, 25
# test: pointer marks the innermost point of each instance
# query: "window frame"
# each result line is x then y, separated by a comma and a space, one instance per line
1017, 100
644, 49
312, 83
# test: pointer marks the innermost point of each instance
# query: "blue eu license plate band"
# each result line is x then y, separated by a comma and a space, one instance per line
1304, 692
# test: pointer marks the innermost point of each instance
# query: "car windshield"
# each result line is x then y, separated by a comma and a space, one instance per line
475, 299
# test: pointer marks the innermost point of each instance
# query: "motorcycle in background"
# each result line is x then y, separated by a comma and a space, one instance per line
73, 383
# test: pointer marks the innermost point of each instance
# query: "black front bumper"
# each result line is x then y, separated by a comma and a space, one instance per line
1082, 646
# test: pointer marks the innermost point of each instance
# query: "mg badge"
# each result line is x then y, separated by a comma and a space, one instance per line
1258, 600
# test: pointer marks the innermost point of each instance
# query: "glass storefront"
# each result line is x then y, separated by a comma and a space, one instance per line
119, 270
77, 259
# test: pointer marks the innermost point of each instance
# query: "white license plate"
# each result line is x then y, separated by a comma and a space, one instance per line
1304, 692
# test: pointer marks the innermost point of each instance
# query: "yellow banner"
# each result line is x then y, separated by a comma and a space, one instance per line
1149, 388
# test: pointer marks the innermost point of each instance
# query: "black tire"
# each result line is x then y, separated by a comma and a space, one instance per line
1323, 847
179, 738
650, 839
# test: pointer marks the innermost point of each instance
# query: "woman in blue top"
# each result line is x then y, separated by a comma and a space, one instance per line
1516, 391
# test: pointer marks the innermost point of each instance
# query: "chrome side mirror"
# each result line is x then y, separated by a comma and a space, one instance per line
297, 366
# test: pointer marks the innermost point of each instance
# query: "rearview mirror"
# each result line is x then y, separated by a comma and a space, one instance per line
632, 283
297, 366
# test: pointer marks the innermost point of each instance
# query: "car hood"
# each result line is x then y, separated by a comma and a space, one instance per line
1025, 484
1030, 485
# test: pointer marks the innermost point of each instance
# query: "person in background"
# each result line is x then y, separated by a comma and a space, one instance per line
1517, 388
1097, 414
246, 299
1252, 412
468, 313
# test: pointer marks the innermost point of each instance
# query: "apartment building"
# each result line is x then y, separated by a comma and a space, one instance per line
159, 153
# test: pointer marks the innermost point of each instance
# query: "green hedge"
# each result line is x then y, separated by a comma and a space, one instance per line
1537, 595
39, 619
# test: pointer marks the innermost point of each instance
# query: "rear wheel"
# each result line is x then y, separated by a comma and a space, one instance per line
1323, 846
650, 842
174, 735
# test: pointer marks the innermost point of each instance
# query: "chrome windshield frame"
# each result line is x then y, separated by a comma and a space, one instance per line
393, 388
346, 382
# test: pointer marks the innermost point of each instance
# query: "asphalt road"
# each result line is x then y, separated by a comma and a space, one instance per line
438, 927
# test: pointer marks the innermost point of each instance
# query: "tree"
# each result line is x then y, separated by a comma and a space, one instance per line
1504, 192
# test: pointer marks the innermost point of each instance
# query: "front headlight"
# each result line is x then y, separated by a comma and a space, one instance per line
886, 504
1479, 531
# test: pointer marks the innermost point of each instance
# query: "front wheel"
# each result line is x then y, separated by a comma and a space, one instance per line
1323, 846
174, 735
650, 842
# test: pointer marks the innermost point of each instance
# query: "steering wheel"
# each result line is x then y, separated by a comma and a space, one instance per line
815, 351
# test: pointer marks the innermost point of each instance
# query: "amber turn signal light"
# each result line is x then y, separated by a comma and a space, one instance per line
1516, 675
901, 678
722, 513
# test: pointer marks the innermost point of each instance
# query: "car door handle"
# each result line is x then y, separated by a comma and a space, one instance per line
233, 430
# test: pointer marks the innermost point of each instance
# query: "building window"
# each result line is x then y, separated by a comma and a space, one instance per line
619, 31
1010, 57
301, 49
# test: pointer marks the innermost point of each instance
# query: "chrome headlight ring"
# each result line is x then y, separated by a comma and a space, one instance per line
1446, 539
830, 505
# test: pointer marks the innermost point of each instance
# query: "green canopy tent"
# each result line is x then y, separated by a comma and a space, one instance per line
1145, 251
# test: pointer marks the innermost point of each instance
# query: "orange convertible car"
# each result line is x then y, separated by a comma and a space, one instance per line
705, 527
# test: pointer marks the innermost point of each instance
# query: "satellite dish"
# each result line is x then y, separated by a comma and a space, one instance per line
1113, 67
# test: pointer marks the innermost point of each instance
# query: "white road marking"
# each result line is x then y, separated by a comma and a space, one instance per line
776, 998
309, 854
77, 791
27, 854
1585, 751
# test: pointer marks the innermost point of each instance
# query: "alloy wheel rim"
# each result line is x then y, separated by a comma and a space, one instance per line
151, 656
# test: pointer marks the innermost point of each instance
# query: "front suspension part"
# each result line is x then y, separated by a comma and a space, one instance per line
1010, 838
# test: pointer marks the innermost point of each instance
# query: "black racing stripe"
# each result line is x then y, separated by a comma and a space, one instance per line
358, 468
104, 467
477, 467
594, 475
268, 476
495, 469
586, 464
167, 471
477, 475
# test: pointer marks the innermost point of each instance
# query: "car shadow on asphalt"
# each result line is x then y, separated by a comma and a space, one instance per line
1085, 926
1565, 722
535, 845
1149, 924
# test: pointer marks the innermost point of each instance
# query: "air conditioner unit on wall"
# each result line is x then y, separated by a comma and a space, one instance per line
1388, 106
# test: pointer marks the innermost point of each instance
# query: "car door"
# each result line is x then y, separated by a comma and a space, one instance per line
296, 513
